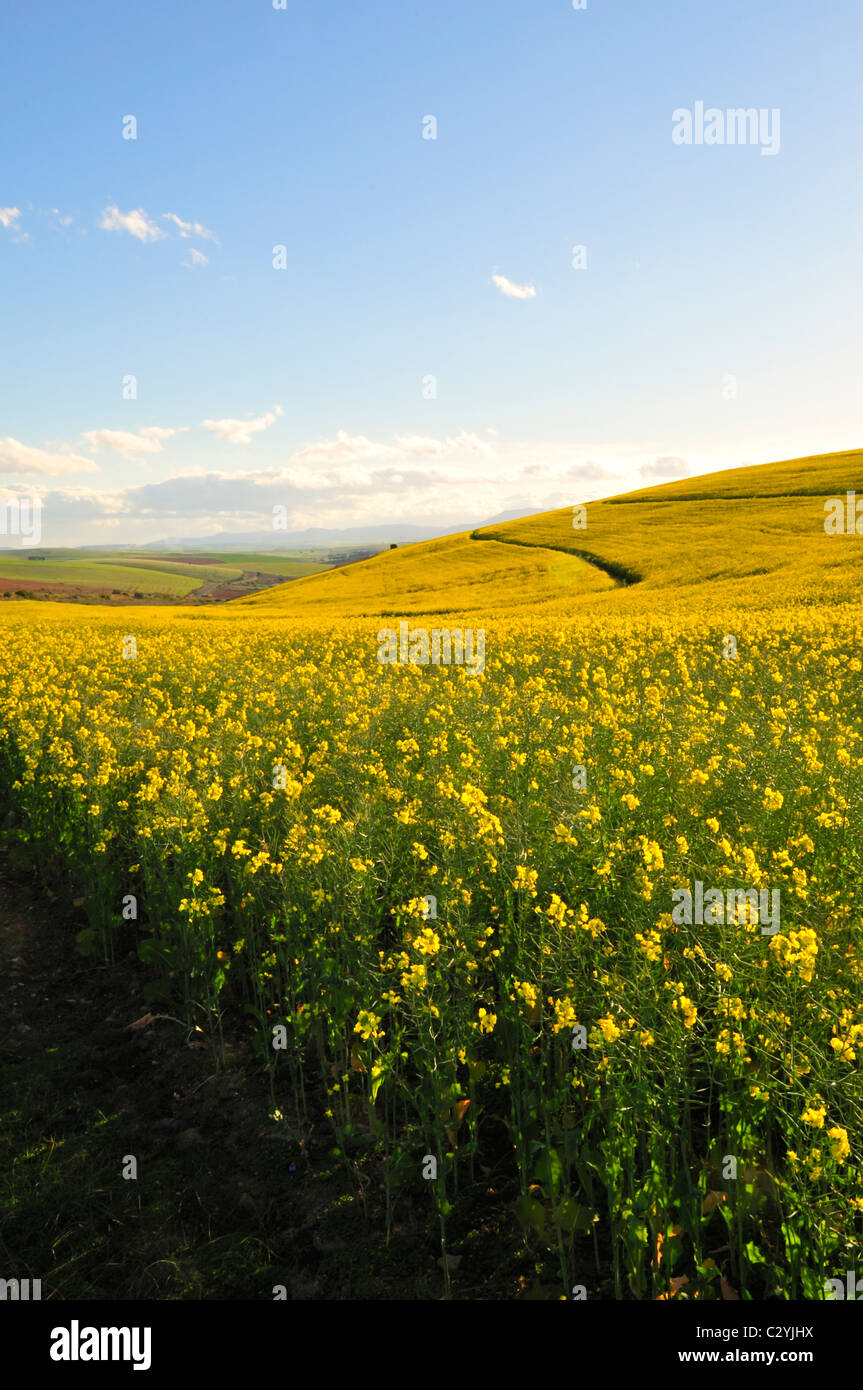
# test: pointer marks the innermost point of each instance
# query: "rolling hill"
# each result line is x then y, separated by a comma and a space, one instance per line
748, 537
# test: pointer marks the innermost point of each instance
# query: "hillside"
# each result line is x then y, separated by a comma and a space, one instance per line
456, 574
748, 537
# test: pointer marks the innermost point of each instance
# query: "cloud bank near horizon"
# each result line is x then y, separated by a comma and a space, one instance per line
444, 482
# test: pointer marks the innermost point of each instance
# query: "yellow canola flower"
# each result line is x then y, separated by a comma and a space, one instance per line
814, 1116
527, 992
564, 1014
687, 1008
525, 878
367, 1025
839, 1146
609, 1029
427, 942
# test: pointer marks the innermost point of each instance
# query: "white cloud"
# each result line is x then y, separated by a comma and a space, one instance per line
512, 290
9, 218
188, 229
195, 259
137, 223
345, 448
667, 467
146, 441
241, 431
472, 444
16, 457
213, 502
419, 445
350, 495
454, 493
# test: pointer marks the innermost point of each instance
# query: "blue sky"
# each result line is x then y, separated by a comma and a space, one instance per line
715, 323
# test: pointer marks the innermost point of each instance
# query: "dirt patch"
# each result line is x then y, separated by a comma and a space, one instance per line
47, 589
192, 559
221, 591
214, 591
230, 1199
57, 592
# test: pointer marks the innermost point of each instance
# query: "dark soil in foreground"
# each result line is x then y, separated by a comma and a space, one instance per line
228, 1202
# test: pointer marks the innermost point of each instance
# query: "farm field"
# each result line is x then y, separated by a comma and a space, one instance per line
291, 564
120, 577
97, 574
440, 915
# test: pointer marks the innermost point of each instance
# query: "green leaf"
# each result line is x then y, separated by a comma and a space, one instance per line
377, 1079
585, 1219
585, 1176
571, 1216
152, 952
549, 1170
566, 1214
530, 1213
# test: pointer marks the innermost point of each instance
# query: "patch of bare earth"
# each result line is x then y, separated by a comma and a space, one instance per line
214, 591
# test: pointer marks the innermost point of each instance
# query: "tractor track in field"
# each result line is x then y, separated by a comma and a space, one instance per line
623, 578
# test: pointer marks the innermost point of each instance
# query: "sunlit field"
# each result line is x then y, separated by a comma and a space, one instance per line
442, 905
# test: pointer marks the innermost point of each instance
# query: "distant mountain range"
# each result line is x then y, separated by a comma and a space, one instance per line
313, 537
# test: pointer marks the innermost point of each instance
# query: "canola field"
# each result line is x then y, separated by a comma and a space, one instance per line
446, 905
